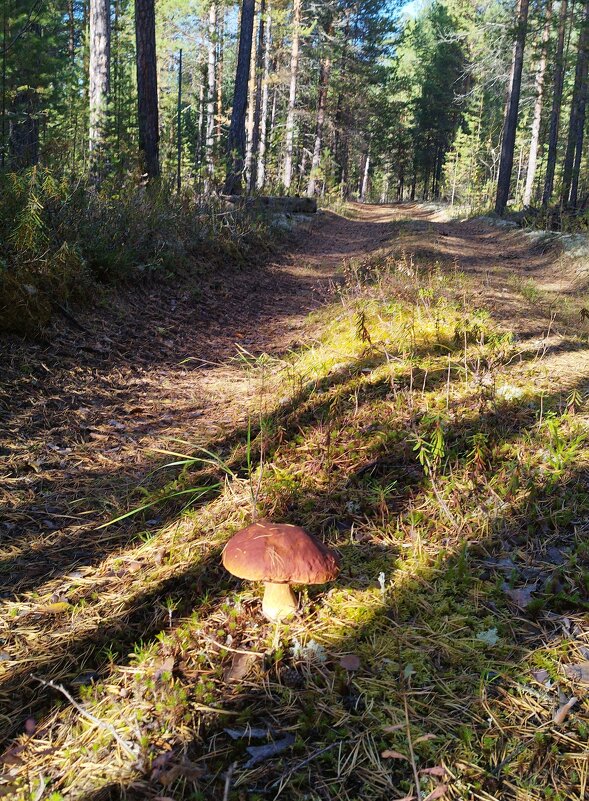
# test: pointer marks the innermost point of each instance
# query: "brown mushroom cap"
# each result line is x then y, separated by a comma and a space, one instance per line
279, 553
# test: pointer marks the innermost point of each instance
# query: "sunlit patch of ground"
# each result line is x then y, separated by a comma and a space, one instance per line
446, 460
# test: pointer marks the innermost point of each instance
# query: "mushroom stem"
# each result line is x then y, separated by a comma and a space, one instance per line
279, 601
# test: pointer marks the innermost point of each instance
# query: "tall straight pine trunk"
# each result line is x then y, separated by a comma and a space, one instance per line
294, 72
261, 154
512, 109
220, 57
537, 119
324, 72
211, 97
572, 159
99, 81
557, 88
259, 75
147, 86
236, 140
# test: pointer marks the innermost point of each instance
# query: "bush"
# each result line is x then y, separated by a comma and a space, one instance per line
59, 241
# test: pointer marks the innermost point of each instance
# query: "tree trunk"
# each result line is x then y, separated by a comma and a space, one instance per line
259, 74
71, 22
537, 119
251, 104
321, 105
236, 141
512, 109
220, 48
365, 174
211, 97
99, 81
23, 130
572, 160
261, 154
147, 86
294, 71
557, 88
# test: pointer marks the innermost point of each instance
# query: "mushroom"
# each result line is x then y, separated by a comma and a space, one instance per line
279, 555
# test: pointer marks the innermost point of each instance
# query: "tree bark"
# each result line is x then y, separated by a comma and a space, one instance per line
294, 71
99, 81
236, 141
557, 89
324, 73
365, 174
512, 109
261, 154
23, 130
147, 86
251, 102
211, 97
259, 74
572, 160
220, 49
537, 119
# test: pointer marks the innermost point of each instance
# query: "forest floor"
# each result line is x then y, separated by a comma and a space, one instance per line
415, 391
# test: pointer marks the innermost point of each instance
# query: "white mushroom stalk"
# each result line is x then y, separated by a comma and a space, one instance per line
279, 601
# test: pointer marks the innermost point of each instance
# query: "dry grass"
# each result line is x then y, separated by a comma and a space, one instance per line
426, 446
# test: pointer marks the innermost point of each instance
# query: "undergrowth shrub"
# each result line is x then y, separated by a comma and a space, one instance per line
59, 241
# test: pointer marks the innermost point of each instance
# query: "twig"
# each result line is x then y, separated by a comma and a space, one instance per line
411, 752
233, 650
129, 749
228, 776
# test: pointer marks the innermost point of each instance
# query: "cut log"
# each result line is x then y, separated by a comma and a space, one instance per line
277, 205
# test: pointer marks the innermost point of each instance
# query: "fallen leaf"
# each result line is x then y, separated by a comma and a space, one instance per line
437, 770
133, 567
186, 771
562, 712
350, 662
437, 792
541, 676
259, 753
391, 729
393, 755
522, 596
240, 666
578, 672
424, 738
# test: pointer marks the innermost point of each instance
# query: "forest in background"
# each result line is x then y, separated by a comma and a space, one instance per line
123, 124
341, 98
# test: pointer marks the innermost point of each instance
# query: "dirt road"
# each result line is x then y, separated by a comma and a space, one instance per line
82, 411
